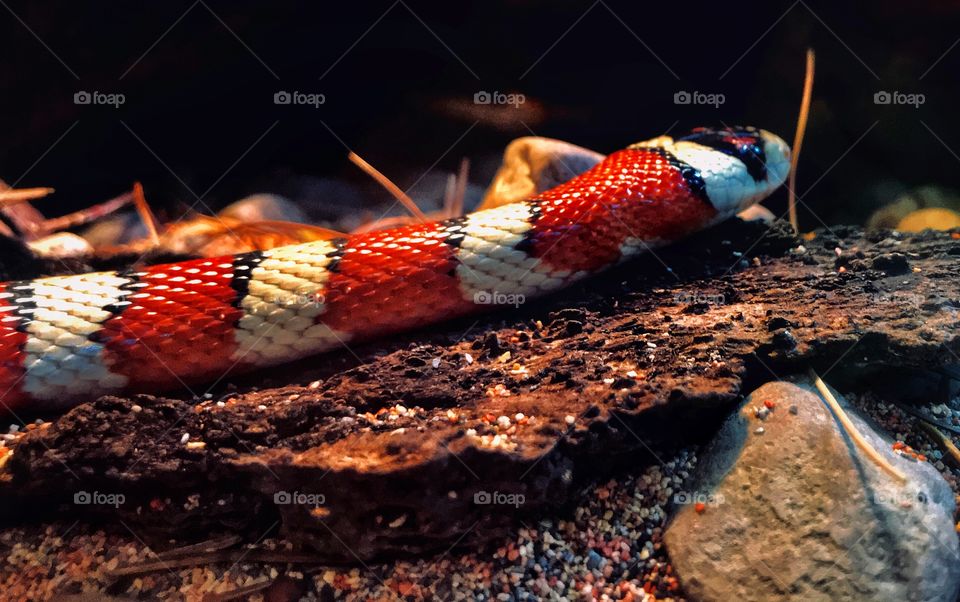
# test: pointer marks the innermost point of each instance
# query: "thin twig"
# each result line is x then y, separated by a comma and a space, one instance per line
219, 556
943, 441
448, 191
798, 138
14, 196
89, 214
392, 188
23, 216
146, 215
852, 431
210, 545
461, 190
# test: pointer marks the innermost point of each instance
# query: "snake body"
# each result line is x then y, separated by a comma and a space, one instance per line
68, 339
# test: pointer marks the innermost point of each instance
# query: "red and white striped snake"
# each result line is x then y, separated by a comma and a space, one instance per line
68, 339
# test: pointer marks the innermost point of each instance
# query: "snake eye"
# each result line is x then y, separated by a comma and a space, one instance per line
744, 143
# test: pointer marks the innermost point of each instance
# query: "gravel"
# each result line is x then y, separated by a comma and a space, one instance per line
609, 545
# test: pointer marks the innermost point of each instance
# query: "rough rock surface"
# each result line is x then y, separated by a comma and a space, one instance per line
792, 510
641, 355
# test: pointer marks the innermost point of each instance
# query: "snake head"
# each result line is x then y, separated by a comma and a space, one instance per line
737, 166
750, 163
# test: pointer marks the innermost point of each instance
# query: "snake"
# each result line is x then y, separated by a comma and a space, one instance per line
69, 339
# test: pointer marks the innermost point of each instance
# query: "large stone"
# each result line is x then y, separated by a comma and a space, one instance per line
796, 512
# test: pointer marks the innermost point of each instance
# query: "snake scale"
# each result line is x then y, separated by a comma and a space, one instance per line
68, 339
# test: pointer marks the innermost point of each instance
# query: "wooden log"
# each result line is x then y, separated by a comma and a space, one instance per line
454, 434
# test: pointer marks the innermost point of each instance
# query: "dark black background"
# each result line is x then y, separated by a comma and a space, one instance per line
199, 81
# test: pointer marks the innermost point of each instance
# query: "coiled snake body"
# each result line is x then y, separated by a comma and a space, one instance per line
67, 339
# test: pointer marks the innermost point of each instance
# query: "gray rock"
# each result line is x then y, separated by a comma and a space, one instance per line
265, 207
795, 512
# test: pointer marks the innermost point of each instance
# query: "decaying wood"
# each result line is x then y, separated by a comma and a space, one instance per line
652, 353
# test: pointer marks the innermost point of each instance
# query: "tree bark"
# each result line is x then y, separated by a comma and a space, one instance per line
652, 353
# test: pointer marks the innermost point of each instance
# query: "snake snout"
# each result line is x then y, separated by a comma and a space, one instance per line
777, 153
